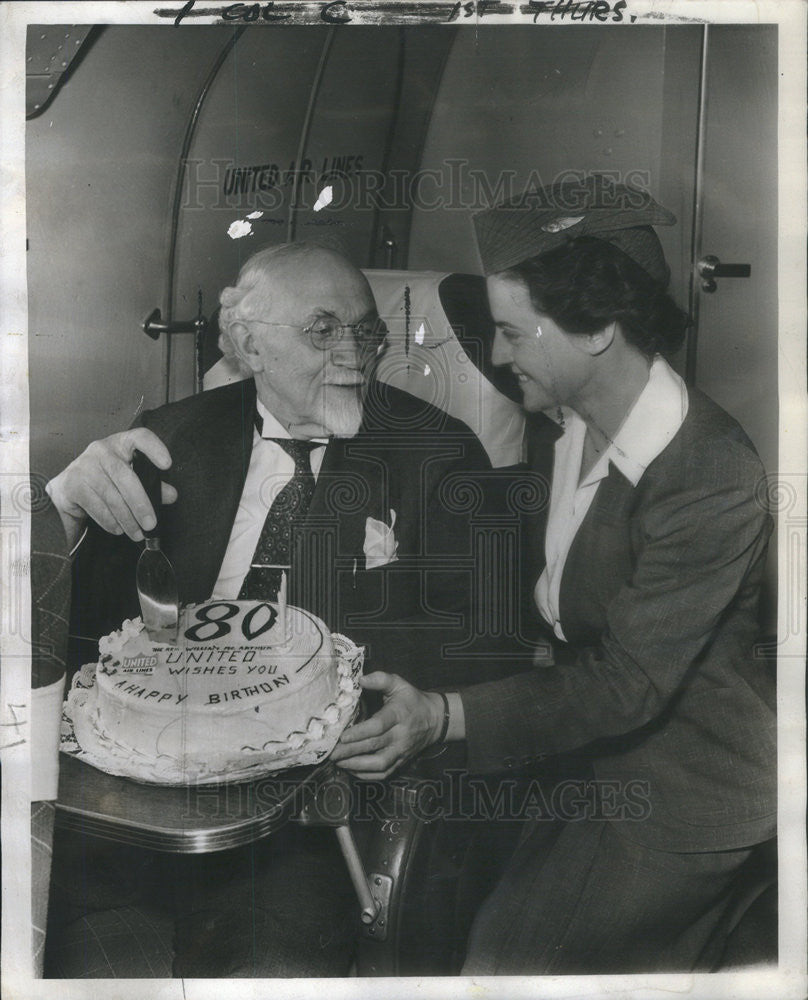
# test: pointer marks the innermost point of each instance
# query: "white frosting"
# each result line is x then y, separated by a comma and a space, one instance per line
112, 644
234, 684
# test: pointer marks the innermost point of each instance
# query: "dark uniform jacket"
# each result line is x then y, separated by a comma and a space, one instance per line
660, 681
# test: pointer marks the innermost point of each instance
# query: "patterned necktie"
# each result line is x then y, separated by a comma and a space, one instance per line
274, 548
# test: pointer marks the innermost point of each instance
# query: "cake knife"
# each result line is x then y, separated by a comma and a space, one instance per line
154, 576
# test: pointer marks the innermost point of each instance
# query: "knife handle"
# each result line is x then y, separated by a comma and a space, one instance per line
149, 476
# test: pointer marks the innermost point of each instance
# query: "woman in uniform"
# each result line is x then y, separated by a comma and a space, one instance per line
648, 587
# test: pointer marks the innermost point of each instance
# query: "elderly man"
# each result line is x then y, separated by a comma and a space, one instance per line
304, 322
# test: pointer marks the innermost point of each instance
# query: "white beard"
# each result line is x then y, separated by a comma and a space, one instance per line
342, 412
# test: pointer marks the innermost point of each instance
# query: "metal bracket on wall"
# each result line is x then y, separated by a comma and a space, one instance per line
390, 246
381, 886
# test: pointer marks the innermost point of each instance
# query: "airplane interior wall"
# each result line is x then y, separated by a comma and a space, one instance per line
100, 164
293, 109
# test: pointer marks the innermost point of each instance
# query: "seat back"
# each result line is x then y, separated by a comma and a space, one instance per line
439, 349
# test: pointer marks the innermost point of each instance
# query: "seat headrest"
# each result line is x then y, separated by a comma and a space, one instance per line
439, 349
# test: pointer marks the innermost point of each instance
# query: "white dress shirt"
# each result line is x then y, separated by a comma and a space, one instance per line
655, 417
269, 471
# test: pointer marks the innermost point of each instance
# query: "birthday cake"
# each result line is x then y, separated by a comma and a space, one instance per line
247, 686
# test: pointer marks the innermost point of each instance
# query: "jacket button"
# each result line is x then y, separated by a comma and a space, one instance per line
526, 761
509, 761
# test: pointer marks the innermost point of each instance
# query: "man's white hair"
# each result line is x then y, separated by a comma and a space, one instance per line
253, 288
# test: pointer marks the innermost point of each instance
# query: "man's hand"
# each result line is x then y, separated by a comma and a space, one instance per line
100, 484
409, 721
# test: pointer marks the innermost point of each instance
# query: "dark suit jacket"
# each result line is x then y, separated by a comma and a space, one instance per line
658, 680
408, 457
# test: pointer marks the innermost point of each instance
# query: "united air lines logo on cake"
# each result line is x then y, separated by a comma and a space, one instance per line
142, 664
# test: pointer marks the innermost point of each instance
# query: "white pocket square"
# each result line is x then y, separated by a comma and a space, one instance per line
381, 546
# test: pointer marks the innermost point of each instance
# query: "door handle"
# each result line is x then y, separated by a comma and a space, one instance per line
710, 268
154, 325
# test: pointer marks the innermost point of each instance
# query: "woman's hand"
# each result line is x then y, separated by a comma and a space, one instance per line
409, 721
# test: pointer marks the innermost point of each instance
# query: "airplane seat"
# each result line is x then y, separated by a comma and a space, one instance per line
431, 861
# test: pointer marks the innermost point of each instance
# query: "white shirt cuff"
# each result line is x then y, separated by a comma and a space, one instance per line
457, 717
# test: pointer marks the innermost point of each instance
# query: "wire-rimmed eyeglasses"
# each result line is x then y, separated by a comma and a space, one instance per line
326, 331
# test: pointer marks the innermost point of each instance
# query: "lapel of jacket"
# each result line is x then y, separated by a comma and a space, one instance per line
599, 560
210, 478
541, 434
328, 549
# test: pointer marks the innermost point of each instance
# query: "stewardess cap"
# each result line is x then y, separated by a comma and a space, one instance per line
543, 218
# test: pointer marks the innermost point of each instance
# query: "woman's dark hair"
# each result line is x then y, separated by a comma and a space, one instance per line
587, 283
